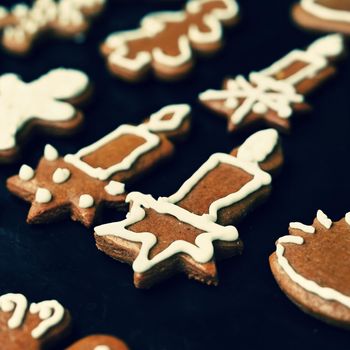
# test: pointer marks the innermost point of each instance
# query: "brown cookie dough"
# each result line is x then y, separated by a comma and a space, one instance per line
182, 232
22, 26
271, 96
80, 185
99, 342
165, 40
311, 266
323, 15
44, 105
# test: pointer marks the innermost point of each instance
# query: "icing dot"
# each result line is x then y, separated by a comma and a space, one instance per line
259, 108
43, 195
50, 153
102, 347
114, 188
86, 201
347, 218
60, 175
26, 173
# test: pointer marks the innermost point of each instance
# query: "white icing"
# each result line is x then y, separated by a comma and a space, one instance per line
151, 141
260, 94
102, 347
26, 173
347, 218
324, 12
50, 312
86, 201
258, 146
180, 112
50, 153
21, 102
260, 178
16, 303
323, 219
328, 46
309, 285
114, 188
302, 227
152, 24
202, 251
43, 195
60, 175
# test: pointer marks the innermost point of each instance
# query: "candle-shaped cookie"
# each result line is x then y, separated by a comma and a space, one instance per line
271, 96
81, 184
186, 232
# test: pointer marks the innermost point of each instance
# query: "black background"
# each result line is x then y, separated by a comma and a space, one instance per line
247, 310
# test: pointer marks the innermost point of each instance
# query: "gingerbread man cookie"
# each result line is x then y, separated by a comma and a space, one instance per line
46, 104
22, 25
272, 95
311, 265
182, 232
31, 327
81, 184
165, 41
99, 342
323, 15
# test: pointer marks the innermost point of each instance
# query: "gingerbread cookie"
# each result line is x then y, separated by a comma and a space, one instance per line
99, 342
81, 184
165, 41
32, 327
46, 104
270, 97
22, 25
323, 15
311, 266
180, 233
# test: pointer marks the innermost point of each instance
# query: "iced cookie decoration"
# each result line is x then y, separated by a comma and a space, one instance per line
323, 15
165, 41
45, 105
188, 231
99, 342
23, 25
271, 96
311, 265
37, 326
81, 184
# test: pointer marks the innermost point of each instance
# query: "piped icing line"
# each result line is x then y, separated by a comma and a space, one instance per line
154, 23
40, 99
151, 141
158, 124
262, 92
309, 285
302, 227
324, 12
18, 304
201, 252
323, 219
51, 313
102, 347
260, 179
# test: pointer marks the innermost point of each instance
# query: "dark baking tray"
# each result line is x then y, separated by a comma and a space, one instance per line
247, 310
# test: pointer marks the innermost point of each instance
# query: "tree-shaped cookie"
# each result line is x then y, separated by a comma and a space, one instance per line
22, 25
311, 266
165, 41
46, 105
323, 15
31, 327
81, 184
270, 97
99, 342
182, 232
